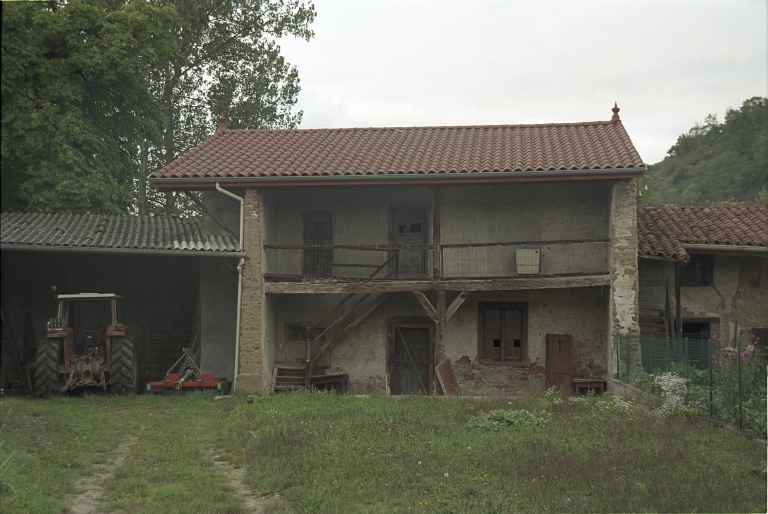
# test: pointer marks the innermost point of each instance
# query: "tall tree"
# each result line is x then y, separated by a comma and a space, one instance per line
232, 65
77, 103
715, 162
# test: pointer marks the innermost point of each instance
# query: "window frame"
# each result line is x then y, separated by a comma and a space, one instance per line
688, 273
484, 306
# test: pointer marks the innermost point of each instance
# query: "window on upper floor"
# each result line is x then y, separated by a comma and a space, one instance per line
698, 272
318, 239
503, 333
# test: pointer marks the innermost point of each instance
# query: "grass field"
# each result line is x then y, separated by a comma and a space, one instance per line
328, 453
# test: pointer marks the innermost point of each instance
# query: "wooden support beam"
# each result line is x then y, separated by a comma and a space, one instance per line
678, 302
455, 304
327, 286
424, 301
437, 254
440, 332
209, 213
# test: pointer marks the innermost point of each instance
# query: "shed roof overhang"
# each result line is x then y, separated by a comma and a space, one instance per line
389, 179
119, 251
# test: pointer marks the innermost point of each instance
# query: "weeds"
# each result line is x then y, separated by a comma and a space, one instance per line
498, 419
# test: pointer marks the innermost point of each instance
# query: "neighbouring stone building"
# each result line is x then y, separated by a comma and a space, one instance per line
371, 255
704, 271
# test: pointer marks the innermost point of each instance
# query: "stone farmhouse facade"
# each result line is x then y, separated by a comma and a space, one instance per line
372, 255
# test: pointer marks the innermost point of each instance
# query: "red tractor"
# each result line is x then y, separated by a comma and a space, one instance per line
87, 345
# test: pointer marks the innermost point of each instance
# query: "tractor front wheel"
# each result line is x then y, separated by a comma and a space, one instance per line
47, 378
123, 379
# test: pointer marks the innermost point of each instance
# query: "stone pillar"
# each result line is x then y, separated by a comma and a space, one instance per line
623, 308
251, 377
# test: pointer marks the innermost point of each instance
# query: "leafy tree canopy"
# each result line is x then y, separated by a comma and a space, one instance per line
232, 65
97, 94
716, 162
76, 101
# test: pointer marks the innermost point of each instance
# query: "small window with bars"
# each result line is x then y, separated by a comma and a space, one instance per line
298, 333
503, 333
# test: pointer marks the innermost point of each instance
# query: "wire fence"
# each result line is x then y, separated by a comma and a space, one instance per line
728, 380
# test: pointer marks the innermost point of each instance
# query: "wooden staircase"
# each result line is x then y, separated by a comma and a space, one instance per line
344, 317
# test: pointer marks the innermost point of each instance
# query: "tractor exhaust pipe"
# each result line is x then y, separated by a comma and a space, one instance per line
179, 382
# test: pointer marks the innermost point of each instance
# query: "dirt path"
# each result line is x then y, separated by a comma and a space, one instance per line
253, 501
93, 485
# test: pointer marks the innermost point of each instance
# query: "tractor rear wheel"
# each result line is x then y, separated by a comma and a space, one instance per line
123, 379
47, 377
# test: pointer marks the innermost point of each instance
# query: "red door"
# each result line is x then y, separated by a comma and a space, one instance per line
560, 361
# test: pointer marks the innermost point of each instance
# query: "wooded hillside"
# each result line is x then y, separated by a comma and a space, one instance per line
716, 162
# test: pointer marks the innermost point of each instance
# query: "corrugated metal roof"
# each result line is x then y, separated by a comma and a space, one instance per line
97, 231
449, 151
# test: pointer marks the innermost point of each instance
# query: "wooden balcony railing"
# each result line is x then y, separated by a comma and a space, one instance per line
294, 262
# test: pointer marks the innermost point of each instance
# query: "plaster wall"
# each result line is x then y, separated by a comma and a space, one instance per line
218, 316
363, 353
470, 214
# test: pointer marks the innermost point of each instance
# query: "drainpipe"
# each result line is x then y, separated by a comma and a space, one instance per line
239, 284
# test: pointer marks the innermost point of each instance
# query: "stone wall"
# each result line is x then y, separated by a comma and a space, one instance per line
251, 376
738, 294
623, 306
364, 352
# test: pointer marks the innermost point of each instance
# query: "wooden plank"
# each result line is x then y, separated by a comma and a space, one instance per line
523, 243
404, 286
23, 375
455, 304
424, 301
447, 377
437, 254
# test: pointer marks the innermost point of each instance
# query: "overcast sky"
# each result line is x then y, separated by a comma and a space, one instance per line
424, 63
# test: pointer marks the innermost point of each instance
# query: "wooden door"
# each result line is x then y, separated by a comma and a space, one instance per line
409, 229
318, 231
411, 359
560, 362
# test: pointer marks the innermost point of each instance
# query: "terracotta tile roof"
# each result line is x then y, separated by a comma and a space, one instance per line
663, 230
98, 231
416, 150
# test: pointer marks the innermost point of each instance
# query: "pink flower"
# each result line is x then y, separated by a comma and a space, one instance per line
747, 351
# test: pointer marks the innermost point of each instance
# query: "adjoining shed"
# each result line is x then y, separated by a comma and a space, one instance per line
178, 281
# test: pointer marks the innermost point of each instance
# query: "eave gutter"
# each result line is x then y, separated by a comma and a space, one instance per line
121, 251
396, 179
740, 249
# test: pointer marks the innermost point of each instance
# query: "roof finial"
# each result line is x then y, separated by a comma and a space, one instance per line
222, 124
615, 110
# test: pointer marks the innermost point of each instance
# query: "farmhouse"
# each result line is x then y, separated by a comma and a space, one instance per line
703, 271
371, 255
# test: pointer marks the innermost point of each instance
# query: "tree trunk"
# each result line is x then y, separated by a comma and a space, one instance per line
141, 194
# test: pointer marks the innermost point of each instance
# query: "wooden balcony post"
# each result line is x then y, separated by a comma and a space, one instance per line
437, 268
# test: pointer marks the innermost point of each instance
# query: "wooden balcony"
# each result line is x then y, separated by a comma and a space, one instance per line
337, 268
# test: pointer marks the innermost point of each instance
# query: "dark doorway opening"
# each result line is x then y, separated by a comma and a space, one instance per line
696, 330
